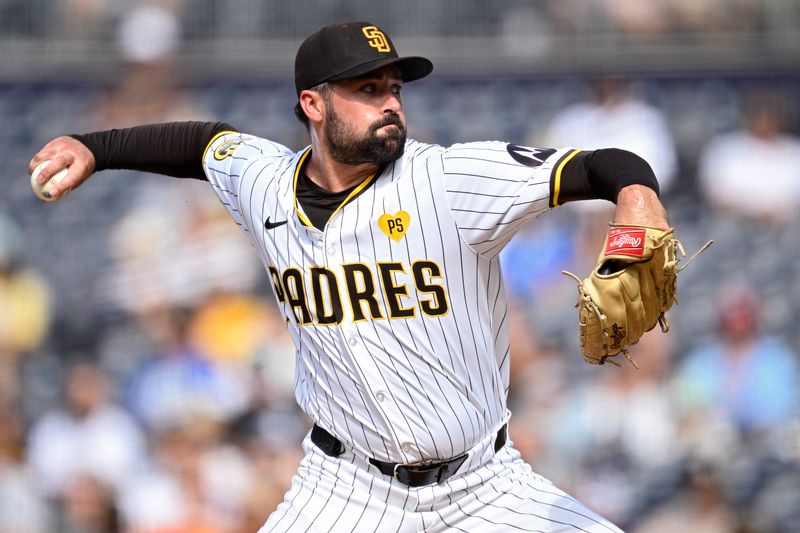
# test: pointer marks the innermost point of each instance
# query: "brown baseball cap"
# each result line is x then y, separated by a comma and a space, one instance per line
350, 50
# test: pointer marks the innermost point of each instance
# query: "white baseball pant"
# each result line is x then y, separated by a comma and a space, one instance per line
495, 493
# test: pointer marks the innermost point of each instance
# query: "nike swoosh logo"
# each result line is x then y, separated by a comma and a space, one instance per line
273, 225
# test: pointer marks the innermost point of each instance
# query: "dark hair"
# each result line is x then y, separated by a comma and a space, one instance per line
324, 89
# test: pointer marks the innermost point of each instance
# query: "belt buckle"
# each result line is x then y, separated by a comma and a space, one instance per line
439, 470
412, 466
414, 474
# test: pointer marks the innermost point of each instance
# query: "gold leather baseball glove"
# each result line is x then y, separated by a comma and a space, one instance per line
629, 291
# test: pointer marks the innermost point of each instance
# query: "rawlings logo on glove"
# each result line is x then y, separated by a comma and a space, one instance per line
629, 291
626, 241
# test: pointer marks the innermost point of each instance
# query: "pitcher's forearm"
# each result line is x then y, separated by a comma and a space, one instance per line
640, 206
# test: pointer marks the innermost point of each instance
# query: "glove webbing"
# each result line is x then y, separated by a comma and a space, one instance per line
584, 299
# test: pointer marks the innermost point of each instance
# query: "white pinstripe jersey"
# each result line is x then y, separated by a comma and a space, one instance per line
397, 308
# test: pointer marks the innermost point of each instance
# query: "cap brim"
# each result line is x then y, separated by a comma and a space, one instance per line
411, 68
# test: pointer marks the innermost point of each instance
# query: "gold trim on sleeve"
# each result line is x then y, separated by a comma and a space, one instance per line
557, 181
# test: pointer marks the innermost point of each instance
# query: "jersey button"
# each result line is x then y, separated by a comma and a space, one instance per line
352, 341
407, 447
331, 250
380, 396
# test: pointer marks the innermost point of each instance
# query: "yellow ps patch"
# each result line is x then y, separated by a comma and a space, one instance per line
394, 226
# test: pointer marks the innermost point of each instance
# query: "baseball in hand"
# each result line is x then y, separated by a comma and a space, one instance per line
41, 188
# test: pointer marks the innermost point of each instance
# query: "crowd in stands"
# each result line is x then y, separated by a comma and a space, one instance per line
699, 19
148, 380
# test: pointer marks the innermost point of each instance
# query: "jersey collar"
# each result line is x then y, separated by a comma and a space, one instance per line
355, 192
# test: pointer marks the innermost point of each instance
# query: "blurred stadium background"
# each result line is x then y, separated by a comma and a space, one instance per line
145, 381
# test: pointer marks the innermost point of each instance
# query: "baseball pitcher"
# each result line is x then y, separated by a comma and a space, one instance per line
382, 253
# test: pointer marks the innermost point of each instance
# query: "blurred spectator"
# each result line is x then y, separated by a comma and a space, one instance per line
616, 116
275, 364
233, 328
89, 506
532, 264
195, 483
25, 309
147, 91
89, 435
755, 171
176, 246
699, 505
707, 17
269, 422
23, 508
617, 428
81, 18
149, 32
272, 417
537, 384
177, 382
626, 20
533, 260
744, 376
24, 296
634, 17
273, 468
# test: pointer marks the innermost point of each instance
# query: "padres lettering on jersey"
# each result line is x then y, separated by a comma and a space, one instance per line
321, 303
397, 307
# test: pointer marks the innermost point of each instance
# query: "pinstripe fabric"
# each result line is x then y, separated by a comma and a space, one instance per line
419, 368
502, 495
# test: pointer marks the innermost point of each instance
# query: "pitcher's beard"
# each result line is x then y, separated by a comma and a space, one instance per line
346, 146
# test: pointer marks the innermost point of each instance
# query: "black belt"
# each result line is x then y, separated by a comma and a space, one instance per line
413, 475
